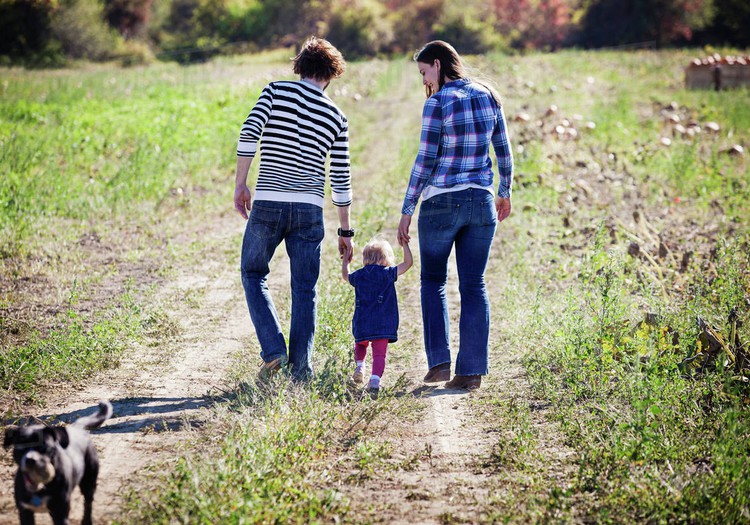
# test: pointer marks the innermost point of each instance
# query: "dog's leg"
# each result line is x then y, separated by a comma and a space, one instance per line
88, 484
60, 511
26, 517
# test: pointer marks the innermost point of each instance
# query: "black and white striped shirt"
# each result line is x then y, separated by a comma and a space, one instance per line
297, 125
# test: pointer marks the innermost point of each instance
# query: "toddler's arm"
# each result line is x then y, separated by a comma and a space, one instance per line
408, 261
345, 268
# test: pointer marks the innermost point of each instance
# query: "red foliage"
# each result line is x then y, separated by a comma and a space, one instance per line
544, 23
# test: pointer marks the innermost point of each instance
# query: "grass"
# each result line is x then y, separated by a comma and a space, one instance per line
650, 441
282, 452
653, 444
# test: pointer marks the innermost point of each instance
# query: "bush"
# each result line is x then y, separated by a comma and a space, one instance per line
80, 29
135, 52
467, 31
359, 29
24, 28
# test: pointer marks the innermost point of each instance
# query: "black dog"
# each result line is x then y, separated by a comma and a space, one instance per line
52, 461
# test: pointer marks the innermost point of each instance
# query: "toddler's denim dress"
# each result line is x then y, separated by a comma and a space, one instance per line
376, 309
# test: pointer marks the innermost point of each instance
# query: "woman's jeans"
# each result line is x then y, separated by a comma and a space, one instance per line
466, 219
300, 225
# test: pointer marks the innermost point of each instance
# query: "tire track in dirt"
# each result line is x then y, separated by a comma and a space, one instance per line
431, 476
442, 469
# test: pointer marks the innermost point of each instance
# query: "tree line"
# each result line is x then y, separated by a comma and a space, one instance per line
52, 32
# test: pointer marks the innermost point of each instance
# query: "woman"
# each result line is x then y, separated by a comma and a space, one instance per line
453, 175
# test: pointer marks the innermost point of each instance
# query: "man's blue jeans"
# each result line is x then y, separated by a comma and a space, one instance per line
300, 225
466, 219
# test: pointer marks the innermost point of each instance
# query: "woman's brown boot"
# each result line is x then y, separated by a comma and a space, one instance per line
438, 374
464, 382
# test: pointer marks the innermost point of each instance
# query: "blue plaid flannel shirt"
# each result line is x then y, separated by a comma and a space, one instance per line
459, 123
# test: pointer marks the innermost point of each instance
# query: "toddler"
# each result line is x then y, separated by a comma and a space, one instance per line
376, 308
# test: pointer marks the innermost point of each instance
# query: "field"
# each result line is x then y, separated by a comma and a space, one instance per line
620, 285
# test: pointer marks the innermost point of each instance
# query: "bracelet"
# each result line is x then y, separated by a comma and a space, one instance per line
345, 233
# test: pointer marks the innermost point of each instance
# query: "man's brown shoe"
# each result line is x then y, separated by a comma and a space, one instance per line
438, 374
269, 369
464, 382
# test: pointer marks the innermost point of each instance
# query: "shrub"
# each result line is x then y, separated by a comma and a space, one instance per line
80, 29
467, 30
359, 29
24, 28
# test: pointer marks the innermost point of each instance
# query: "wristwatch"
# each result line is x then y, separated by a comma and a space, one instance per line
345, 233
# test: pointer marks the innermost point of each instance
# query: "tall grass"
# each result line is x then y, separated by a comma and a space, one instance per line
653, 444
126, 156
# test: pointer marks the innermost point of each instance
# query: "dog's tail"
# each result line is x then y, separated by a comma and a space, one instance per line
95, 420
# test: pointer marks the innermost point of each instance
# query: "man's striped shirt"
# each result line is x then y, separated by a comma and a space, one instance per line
297, 126
459, 123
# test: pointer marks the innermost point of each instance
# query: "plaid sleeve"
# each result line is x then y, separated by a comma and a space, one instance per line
504, 154
253, 126
432, 124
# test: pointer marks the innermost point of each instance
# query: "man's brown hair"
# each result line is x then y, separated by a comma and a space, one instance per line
320, 60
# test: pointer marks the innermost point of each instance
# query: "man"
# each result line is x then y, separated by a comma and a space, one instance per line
299, 127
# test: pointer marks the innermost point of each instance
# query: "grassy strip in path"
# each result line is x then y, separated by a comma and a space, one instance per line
279, 454
275, 453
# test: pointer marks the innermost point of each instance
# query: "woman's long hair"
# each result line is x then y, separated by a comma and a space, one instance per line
451, 65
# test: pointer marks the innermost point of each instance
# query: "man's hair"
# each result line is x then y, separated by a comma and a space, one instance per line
319, 59
378, 251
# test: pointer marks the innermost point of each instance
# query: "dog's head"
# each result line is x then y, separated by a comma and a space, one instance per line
35, 450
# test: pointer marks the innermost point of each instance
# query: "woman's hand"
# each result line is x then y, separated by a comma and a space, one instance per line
403, 230
502, 205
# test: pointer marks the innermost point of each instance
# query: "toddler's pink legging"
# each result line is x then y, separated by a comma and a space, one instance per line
379, 347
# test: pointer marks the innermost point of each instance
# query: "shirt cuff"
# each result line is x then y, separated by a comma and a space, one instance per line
408, 208
246, 149
341, 198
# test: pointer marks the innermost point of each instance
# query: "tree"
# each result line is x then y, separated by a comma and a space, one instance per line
534, 23
618, 22
24, 26
731, 24
129, 17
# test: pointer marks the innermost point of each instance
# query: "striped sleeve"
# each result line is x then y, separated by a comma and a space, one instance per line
255, 122
341, 180
504, 154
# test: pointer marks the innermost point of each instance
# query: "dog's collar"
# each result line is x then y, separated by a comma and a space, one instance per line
36, 503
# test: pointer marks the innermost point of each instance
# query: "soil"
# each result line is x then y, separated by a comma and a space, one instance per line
158, 397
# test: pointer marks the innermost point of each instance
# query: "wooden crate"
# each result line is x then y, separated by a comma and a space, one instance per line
718, 72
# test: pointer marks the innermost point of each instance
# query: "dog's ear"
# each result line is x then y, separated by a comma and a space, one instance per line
58, 434
10, 436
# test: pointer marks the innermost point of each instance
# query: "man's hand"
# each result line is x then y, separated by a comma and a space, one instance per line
345, 248
243, 200
502, 205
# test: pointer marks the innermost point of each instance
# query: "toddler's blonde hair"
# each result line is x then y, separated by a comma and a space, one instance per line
378, 251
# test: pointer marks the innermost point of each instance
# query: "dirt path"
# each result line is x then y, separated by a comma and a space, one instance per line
432, 476
162, 395
158, 395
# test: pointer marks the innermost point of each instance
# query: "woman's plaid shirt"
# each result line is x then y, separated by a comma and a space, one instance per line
459, 123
